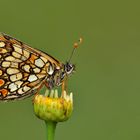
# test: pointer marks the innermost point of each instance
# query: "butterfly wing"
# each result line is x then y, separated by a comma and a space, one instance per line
22, 69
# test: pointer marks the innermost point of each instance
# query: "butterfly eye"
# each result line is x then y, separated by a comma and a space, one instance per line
69, 68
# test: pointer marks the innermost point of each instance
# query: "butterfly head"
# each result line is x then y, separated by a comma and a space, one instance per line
67, 70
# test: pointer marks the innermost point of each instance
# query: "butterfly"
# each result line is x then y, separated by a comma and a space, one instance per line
24, 70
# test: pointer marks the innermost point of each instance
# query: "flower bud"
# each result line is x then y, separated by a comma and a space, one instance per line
50, 107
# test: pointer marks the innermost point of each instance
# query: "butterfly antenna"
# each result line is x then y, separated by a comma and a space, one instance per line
76, 45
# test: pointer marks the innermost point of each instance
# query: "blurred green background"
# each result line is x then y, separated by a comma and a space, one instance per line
106, 84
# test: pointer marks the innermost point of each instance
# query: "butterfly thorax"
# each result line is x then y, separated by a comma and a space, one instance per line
59, 75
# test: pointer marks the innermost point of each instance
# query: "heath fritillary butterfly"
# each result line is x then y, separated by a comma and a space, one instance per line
23, 69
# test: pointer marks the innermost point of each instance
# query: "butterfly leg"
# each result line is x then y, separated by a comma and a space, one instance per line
47, 85
64, 86
37, 92
40, 87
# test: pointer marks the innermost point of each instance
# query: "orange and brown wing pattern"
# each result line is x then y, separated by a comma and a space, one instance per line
22, 68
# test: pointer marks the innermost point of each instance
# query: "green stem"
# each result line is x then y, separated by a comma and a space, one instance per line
50, 129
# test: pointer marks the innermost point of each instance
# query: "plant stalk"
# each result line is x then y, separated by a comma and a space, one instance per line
50, 129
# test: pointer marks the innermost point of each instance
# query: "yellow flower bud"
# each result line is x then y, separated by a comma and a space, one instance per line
50, 107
